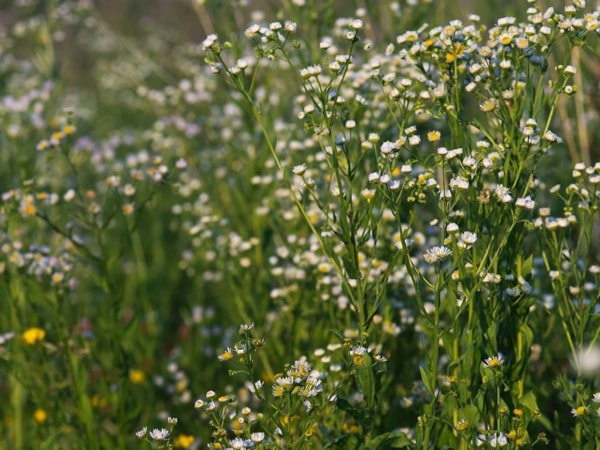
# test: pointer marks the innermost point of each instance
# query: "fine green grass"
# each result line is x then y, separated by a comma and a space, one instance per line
299, 224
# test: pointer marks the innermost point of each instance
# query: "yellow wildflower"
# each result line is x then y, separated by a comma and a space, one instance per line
183, 440
33, 335
136, 376
40, 415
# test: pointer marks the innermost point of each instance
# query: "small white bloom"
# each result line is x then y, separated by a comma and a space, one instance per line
498, 440
373, 177
526, 202
299, 169
589, 360
467, 239
494, 361
209, 41
414, 140
452, 227
159, 434
436, 254
290, 26
579, 411
459, 183
247, 326
368, 193
69, 195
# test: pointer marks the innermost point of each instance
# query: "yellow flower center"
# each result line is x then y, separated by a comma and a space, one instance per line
462, 425
494, 362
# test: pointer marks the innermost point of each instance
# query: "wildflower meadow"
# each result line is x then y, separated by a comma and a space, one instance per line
299, 224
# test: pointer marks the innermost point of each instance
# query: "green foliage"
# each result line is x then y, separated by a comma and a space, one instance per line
402, 215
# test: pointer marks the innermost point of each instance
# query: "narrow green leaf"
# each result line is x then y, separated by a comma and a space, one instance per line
351, 269
366, 380
529, 401
389, 440
527, 267
348, 441
426, 381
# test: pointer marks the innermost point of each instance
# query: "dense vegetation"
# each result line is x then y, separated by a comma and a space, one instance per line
299, 224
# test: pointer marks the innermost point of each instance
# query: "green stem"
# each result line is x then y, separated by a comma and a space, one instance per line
17, 403
434, 359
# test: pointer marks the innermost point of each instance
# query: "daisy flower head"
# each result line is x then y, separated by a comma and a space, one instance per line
494, 361
462, 425
128, 209
7, 336
579, 411
525, 202
589, 360
278, 390
209, 42
299, 169
226, 355
285, 382
436, 254
246, 326
211, 406
299, 369
159, 434
433, 136
498, 440
467, 240
290, 26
